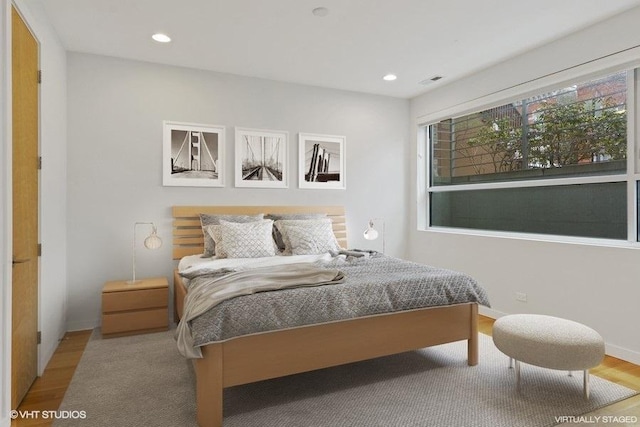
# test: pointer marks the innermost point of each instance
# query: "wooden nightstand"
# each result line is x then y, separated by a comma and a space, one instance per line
136, 308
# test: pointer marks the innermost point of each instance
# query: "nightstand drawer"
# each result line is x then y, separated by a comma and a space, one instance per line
135, 308
134, 300
116, 323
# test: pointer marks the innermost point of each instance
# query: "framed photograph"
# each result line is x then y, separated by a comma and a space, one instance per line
261, 159
193, 155
322, 161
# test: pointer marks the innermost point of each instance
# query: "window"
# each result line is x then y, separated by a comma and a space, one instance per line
555, 163
585, 210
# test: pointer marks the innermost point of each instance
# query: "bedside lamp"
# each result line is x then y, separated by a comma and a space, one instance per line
372, 234
152, 241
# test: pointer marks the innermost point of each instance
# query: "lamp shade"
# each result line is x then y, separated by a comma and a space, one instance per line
370, 233
153, 241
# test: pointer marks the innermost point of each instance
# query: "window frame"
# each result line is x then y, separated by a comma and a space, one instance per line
566, 77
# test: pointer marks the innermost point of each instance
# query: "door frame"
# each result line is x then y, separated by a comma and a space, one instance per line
6, 204
5, 212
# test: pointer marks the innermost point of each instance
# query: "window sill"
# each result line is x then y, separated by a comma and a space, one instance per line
569, 240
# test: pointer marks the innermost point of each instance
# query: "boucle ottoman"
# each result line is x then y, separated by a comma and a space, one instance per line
549, 342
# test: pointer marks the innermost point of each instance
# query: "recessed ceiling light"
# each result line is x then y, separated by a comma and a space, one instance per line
161, 38
390, 77
320, 11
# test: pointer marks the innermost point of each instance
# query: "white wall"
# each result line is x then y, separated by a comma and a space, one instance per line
116, 109
592, 284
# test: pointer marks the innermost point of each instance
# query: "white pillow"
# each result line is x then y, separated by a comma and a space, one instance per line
244, 240
308, 237
208, 220
277, 236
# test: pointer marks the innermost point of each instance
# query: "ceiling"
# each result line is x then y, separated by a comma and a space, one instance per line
352, 47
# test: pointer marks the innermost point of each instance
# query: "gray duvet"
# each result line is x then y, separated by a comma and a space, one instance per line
222, 285
372, 285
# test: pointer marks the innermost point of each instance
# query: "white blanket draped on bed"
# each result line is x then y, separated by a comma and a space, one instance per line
223, 285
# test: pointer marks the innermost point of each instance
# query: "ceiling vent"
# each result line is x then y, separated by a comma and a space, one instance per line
430, 80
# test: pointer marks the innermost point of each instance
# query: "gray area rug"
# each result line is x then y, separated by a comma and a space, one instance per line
143, 381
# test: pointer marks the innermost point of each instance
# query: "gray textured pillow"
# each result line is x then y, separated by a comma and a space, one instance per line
207, 219
277, 236
308, 237
247, 240
215, 233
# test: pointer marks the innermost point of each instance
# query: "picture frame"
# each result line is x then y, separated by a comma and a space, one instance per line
261, 158
193, 155
322, 163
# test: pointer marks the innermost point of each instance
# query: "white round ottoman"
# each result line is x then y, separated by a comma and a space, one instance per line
549, 342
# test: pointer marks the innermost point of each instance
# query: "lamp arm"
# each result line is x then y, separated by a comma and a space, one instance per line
382, 235
133, 251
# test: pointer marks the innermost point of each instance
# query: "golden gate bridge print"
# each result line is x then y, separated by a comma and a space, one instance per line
194, 158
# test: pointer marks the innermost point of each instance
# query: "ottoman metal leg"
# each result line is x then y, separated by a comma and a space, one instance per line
586, 384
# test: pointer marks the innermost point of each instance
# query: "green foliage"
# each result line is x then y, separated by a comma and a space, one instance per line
569, 134
576, 133
502, 142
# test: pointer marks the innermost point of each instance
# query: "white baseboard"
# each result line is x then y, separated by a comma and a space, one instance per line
82, 325
46, 354
622, 353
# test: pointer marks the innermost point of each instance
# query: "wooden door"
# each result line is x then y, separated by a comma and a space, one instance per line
24, 350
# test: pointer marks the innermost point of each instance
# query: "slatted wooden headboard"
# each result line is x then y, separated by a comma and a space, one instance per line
187, 232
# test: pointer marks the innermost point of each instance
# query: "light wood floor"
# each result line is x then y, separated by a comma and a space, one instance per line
47, 392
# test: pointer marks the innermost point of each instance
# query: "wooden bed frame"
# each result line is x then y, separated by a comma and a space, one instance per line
262, 356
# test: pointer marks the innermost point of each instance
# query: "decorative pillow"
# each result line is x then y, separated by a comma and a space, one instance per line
247, 240
307, 237
206, 219
277, 236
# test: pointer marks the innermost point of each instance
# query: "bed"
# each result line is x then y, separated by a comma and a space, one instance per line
260, 356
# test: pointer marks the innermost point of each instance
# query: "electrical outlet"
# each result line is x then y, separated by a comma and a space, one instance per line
520, 296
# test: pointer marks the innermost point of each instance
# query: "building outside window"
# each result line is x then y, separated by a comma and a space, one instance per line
555, 163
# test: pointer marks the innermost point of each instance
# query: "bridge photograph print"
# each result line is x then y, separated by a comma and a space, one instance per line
193, 155
261, 159
322, 161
